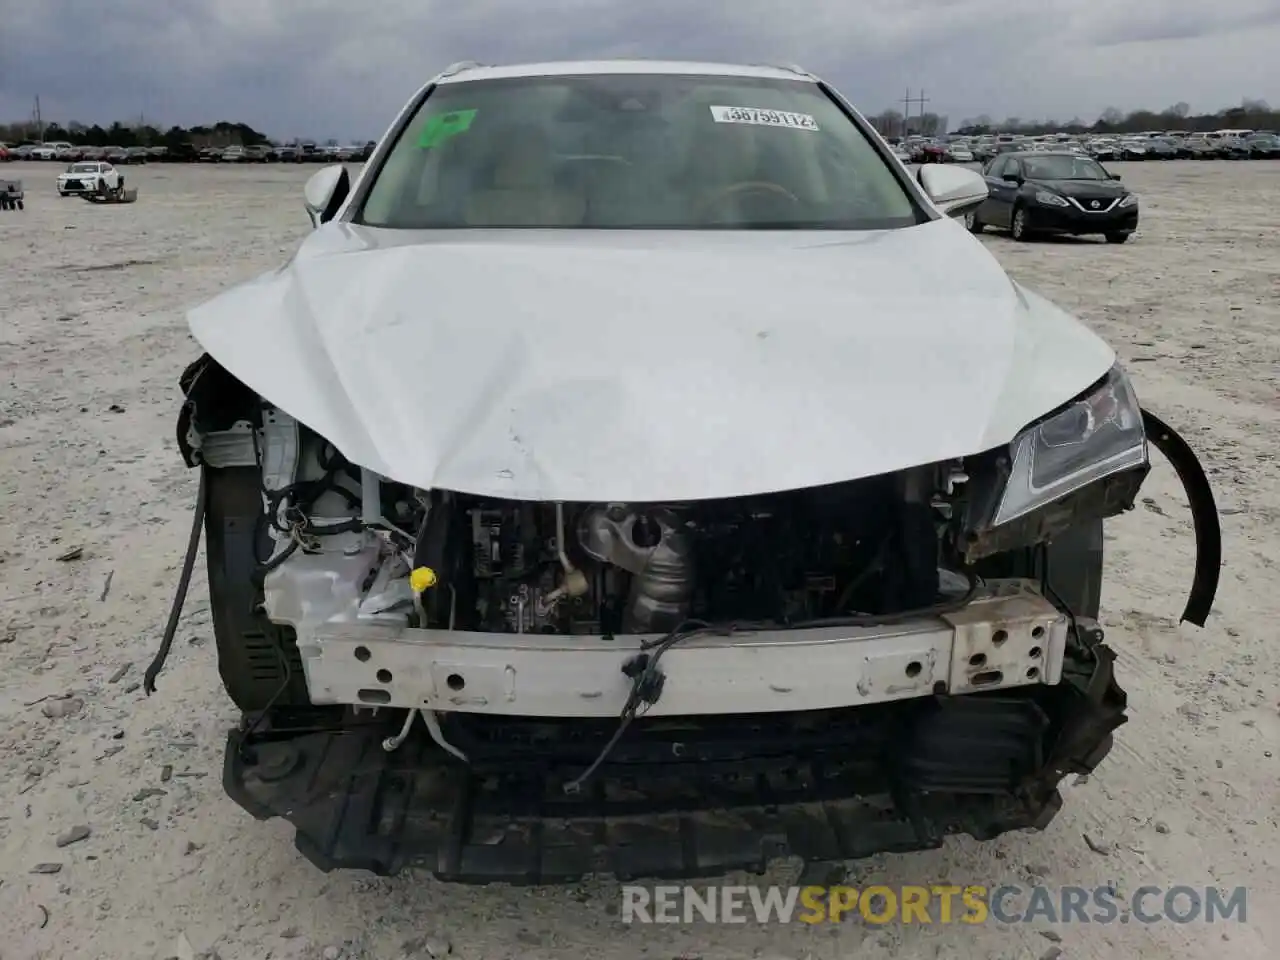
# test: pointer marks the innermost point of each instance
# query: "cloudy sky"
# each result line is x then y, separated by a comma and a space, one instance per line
325, 68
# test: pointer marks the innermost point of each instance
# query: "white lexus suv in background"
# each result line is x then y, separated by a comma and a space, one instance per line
638, 470
89, 176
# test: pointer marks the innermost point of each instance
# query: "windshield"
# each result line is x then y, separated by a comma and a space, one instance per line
83, 168
635, 151
1067, 166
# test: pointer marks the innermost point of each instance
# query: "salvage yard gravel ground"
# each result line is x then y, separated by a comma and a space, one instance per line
116, 840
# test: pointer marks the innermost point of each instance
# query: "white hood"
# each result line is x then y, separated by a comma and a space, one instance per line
643, 366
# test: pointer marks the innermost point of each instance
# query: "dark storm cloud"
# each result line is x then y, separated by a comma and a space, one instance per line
327, 68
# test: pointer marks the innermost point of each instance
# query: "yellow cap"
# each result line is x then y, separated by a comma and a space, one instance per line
422, 578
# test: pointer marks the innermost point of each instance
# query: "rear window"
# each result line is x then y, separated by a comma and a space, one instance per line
636, 151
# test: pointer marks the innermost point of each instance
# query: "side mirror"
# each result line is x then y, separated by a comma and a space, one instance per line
1012, 177
953, 190
325, 192
1114, 176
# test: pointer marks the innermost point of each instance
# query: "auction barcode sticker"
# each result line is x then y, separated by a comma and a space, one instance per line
763, 118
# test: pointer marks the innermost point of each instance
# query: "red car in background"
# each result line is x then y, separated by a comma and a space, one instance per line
929, 152
4, 154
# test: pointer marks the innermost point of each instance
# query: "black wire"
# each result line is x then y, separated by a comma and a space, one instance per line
243, 747
648, 675
876, 564
303, 494
264, 567
180, 594
629, 714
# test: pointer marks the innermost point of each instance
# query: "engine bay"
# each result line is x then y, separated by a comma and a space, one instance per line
619, 568
870, 547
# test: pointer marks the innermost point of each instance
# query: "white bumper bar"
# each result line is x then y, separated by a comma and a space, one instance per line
1009, 636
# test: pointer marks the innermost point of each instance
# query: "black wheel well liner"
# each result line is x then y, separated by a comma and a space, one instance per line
258, 660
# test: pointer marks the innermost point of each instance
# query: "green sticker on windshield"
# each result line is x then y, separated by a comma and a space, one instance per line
446, 125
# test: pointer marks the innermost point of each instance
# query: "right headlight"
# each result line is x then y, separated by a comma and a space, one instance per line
1050, 199
1093, 437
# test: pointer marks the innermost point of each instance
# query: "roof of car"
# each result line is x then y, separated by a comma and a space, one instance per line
464, 72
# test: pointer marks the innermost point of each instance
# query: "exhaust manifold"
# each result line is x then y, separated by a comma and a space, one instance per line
653, 546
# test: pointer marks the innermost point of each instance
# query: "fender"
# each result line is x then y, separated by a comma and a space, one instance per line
1204, 516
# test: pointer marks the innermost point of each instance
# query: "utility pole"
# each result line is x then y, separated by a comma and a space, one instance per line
907, 101
922, 100
39, 121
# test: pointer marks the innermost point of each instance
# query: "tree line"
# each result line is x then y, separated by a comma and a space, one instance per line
1250, 115
118, 134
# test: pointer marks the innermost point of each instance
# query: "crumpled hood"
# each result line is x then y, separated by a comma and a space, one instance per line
643, 366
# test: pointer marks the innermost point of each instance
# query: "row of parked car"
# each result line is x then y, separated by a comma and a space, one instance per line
1221, 145
286, 153
67, 153
1254, 146
305, 152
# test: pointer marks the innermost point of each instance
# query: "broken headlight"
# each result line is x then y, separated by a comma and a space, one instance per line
1093, 437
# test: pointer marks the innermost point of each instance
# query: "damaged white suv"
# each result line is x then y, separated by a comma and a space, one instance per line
638, 471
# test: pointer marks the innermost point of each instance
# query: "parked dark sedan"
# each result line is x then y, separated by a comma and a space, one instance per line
183, 153
1055, 193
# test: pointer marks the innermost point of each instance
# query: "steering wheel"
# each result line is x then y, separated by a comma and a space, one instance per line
746, 186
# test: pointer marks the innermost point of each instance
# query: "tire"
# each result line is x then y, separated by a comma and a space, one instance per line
1018, 228
972, 223
1118, 237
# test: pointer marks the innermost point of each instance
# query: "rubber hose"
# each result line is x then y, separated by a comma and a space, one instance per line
180, 595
